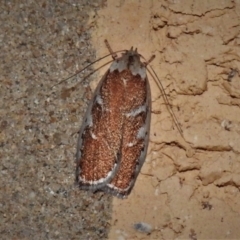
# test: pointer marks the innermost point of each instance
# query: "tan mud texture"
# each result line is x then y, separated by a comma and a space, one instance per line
188, 188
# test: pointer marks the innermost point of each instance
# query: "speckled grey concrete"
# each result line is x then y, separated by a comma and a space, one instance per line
41, 43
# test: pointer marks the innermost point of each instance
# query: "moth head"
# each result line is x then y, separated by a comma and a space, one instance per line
130, 60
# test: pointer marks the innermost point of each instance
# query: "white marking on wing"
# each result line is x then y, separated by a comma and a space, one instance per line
141, 132
131, 144
93, 135
136, 111
101, 180
99, 100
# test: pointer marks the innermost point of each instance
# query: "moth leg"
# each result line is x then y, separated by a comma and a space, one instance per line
114, 55
150, 60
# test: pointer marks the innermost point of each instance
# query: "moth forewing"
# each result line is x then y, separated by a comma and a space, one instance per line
114, 136
116, 187
86, 173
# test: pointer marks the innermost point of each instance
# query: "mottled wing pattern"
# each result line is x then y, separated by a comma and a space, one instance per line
114, 136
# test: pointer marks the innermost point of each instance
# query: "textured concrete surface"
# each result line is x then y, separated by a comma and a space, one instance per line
41, 43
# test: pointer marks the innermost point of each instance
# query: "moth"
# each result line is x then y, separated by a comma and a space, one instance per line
114, 136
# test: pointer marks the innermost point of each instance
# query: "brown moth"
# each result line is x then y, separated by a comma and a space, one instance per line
114, 136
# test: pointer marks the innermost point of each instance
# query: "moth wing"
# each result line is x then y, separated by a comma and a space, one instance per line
122, 193
91, 173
